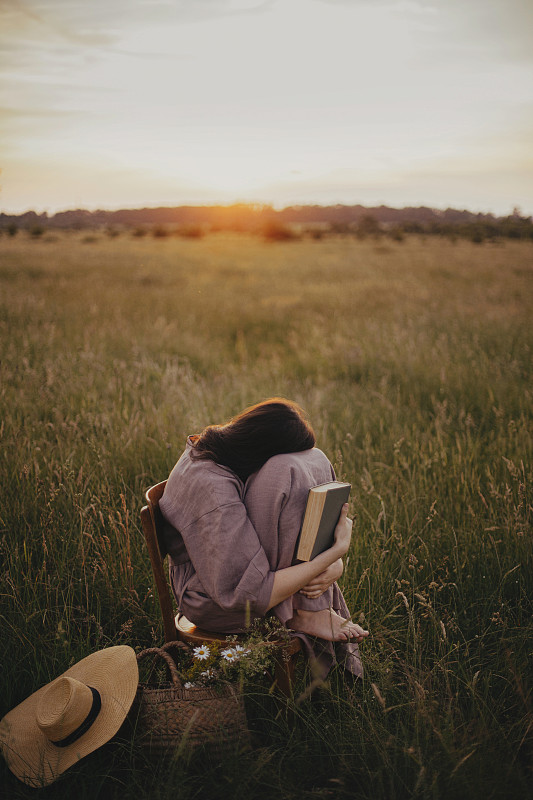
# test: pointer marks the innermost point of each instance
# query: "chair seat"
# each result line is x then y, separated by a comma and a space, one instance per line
188, 631
192, 633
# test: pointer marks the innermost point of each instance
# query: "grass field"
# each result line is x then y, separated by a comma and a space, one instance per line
413, 360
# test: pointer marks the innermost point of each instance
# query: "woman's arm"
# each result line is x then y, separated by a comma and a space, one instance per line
318, 585
290, 580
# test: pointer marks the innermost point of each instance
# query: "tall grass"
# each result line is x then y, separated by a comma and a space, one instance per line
413, 360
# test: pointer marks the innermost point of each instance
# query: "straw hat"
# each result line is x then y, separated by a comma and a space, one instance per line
70, 717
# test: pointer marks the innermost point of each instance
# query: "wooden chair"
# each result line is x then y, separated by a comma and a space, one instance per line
178, 627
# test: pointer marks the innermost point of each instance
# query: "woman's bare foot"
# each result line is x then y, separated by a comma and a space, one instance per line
326, 624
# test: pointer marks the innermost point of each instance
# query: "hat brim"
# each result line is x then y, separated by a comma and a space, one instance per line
32, 757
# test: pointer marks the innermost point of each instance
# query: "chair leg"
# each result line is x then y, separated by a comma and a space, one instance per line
284, 668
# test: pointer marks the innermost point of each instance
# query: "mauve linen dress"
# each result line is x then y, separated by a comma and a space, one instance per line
226, 540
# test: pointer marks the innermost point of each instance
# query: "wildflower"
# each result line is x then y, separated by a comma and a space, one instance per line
201, 652
208, 674
189, 685
230, 655
240, 650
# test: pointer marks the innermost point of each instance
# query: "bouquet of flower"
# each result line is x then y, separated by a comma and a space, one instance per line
228, 661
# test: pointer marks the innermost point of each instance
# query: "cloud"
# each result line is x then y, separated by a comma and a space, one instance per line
9, 114
492, 173
495, 188
96, 23
43, 36
49, 18
499, 28
356, 3
502, 29
33, 183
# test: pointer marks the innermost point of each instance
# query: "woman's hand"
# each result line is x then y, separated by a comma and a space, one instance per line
343, 532
318, 585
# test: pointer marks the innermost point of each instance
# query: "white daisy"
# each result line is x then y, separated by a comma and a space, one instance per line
201, 652
230, 655
188, 685
208, 674
240, 650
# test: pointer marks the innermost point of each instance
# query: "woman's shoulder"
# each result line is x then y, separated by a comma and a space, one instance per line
193, 470
197, 486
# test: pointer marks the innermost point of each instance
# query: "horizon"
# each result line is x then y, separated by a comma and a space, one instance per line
276, 208
404, 103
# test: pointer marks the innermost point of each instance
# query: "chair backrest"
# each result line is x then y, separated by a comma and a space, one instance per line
152, 522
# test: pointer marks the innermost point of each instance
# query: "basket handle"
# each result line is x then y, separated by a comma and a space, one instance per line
162, 653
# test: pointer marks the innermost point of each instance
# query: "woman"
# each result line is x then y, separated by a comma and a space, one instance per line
233, 506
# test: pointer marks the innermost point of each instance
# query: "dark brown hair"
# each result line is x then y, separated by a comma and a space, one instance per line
259, 432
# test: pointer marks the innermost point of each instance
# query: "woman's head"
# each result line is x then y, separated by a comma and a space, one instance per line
259, 432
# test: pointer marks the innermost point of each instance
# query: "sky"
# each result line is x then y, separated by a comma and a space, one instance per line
134, 103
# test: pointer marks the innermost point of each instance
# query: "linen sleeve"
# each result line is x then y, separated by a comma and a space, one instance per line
229, 560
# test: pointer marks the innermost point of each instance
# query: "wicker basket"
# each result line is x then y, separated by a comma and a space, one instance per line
170, 715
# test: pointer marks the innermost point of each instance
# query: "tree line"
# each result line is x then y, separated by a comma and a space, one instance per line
290, 222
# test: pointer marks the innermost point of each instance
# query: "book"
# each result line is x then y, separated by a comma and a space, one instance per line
322, 512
